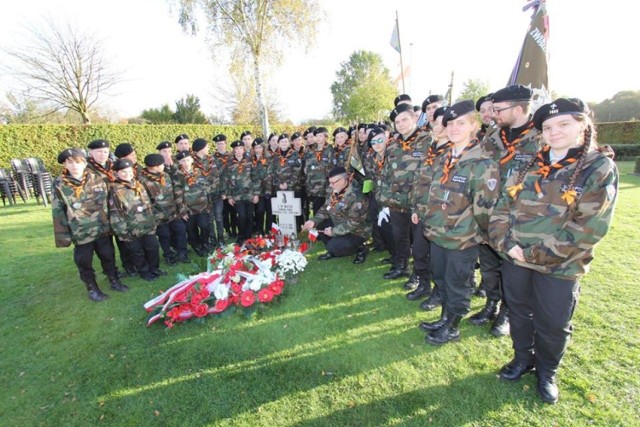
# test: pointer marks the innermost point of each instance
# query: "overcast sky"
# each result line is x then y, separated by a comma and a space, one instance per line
592, 48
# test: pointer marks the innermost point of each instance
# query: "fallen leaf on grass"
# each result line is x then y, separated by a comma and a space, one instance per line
591, 397
156, 413
525, 387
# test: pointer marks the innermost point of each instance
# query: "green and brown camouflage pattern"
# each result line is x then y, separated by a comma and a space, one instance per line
130, 211
241, 180
558, 238
196, 195
287, 170
316, 171
80, 219
167, 204
419, 197
456, 214
348, 213
262, 173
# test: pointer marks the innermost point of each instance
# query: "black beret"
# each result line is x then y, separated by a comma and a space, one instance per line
351, 130
320, 130
482, 100
383, 126
283, 136
362, 126
310, 130
198, 144
181, 137
439, 112
122, 164
512, 93
337, 170
416, 108
237, 143
153, 160
295, 135
123, 149
245, 133
400, 98
559, 107
271, 135
458, 109
69, 152
182, 155
377, 130
219, 138
338, 130
98, 143
400, 109
257, 141
163, 145
430, 100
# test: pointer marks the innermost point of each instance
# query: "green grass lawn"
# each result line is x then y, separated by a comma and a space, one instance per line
342, 348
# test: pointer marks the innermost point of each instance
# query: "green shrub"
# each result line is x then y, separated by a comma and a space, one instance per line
619, 133
637, 168
626, 151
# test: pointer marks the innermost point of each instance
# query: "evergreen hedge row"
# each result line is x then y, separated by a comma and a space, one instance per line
46, 141
619, 133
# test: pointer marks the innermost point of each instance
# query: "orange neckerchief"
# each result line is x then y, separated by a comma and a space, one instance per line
511, 146
106, 171
337, 197
406, 145
318, 154
197, 162
545, 168
135, 187
449, 163
77, 188
223, 157
435, 151
191, 177
239, 163
156, 177
283, 159
255, 160
344, 146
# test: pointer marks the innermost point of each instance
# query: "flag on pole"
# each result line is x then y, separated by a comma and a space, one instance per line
395, 38
531, 66
313, 234
274, 228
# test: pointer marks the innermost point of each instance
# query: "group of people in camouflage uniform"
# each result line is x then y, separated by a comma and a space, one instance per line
523, 196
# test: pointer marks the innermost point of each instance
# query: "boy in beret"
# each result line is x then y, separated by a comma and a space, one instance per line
318, 163
99, 161
429, 105
242, 189
80, 217
168, 208
182, 142
247, 139
262, 174
341, 147
132, 220
225, 215
126, 151
342, 220
402, 99
209, 168
287, 170
166, 150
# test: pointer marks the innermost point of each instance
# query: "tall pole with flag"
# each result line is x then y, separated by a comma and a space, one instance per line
395, 43
531, 67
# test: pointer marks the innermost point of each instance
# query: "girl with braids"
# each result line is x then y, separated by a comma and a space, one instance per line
546, 224
132, 220
464, 187
260, 166
80, 216
319, 161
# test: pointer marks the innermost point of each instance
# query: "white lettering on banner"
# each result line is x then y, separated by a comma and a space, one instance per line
538, 37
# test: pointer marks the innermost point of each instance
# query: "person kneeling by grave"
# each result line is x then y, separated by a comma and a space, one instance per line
342, 221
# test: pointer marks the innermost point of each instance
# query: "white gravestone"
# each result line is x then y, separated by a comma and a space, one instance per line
287, 207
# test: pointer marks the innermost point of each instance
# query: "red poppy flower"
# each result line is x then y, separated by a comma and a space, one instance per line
265, 295
201, 310
222, 305
247, 298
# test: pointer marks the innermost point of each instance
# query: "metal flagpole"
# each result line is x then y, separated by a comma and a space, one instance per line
400, 45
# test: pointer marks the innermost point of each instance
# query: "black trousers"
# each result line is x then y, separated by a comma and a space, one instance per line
244, 208
381, 234
304, 203
173, 234
125, 257
260, 210
401, 229
421, 249
83, 257
339, 245
270, 219
540, 310
230, 217
217, 219
490, 270
198, 229
316, 203
145, 253
452, 269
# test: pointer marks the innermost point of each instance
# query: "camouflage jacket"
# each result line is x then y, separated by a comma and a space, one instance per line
209, 168
348, 213
456, 213
287, 169
419, 198
167, 204
130, 211
241, 180
558, 238
221, 162
402, 160
523, 151
262, 173
193, 188
341, 155
79, 209
373, 166
318, 164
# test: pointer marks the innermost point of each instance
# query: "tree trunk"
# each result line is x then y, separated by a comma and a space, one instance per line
262, 105
86, 120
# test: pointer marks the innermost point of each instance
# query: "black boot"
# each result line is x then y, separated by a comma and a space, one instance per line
488, 313
117, 285
547, 388
361, 255
448, 332
401, 269
412, 283
434, 326
500, 327
95, 294
434, 300
424, 287
325, 256
479, 291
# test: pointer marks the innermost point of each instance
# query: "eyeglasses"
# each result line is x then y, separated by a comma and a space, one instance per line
499, 110
377, 141
335, 181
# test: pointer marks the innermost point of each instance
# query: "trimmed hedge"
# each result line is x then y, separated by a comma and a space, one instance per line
46, 141
618, 133
637, 168
625, 151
